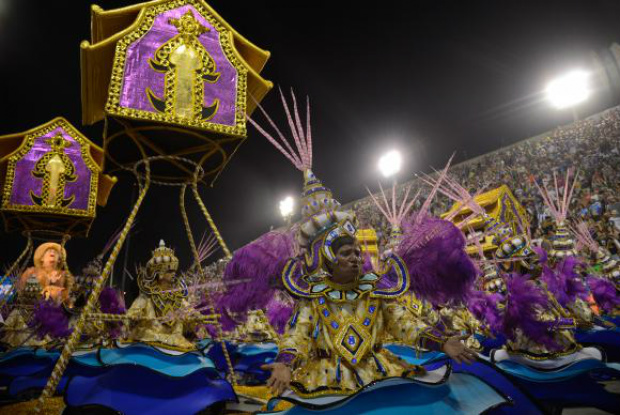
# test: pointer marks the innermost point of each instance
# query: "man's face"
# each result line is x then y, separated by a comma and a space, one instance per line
50, 258
349, 263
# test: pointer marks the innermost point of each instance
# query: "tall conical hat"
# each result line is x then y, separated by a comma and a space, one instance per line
563, 245
323, 219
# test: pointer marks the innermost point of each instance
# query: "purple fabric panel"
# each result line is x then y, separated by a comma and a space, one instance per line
139, 75
25, 181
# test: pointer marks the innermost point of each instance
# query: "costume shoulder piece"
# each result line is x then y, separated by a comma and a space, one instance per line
389, 284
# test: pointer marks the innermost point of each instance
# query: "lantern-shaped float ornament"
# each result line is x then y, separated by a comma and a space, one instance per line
176, 79
174, 83
52, 180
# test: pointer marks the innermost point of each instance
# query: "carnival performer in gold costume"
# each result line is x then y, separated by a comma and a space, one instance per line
161, 315
46, 280
334, 340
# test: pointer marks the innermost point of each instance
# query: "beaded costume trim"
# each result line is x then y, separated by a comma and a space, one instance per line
318, 284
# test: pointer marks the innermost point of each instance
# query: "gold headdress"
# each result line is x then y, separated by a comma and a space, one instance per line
163, 259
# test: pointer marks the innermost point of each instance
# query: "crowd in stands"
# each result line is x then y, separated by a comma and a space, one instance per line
590, 146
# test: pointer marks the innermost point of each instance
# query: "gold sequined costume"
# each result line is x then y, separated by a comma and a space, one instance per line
161, 315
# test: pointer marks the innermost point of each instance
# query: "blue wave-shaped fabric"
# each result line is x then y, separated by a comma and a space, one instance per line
215, 353
489, 343
607, 339
251, 349
24, 365
411, 356
38, 380
29, 351
148, 357
462, 394
250, 357
521, 403
137, 390
528, 373
578, 390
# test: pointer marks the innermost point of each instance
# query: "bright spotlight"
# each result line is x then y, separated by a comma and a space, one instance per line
389, 163
569, 90
286, 207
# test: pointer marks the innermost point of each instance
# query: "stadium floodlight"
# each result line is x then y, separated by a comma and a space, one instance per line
569, 90
389, 163
286, 207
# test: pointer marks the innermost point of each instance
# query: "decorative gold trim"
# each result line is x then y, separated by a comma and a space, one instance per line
26, 146
143, 24
552, 355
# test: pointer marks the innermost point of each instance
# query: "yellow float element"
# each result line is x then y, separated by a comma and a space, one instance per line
501, 205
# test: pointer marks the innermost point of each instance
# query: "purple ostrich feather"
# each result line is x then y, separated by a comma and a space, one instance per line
49, 318
434, 253
278, 313
484, 307
524, 300
604, 293
262, 262
111, 301
564, 282
541, 253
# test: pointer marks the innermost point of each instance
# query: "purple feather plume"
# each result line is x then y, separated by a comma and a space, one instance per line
111, 301
434, 252
262, 262
278, 313
542, 254
564, 282
484, 307
604, 293
524, 301
226, 321
49, 318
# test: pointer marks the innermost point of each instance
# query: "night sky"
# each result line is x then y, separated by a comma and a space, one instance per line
426, 77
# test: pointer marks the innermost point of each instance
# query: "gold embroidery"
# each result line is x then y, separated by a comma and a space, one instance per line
147, 18
55, 168
27, 145
351, 334
187, 65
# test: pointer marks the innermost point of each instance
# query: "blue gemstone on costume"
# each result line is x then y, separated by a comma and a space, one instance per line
372, 309
326, 313
351, 340
354, 361
366, 321
321, 300
334, 324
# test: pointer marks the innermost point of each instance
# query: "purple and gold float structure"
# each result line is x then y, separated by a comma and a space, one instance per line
173, 83
52, 181
173, 78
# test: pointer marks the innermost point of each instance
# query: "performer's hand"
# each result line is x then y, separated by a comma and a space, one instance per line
454, 348
280, 378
